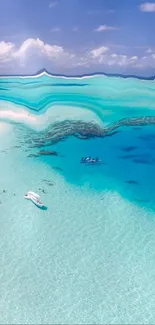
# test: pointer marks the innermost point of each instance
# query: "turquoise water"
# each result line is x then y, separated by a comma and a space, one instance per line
89, 258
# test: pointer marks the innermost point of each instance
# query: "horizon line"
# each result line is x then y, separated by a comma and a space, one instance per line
46, 72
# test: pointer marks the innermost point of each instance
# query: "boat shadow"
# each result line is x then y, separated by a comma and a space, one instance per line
44, 208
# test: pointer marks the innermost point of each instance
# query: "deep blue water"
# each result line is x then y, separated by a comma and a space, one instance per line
128, 163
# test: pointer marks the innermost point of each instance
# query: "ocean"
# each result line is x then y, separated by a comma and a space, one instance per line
88, 257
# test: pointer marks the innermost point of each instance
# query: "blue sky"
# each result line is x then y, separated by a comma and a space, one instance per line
77, 36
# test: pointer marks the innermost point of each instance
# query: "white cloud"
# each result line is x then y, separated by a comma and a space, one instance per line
148, 7
35, 50
55, 29
103, 28
98, 52
102, 56
6, 48
53, 4
31, 45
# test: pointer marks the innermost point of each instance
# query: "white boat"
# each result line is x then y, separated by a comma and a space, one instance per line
35, 198
34, 194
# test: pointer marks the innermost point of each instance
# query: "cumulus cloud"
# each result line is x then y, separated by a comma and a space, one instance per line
33, 50
147, 7
38, 47
6, 49
103, 28
102, 56
98, 52
36, 51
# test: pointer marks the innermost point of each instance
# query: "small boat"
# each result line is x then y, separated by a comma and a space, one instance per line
35, 198
89, 160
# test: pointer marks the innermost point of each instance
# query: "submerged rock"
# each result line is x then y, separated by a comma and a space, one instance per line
83, 137
83, 130
47, 153
58, 168
33, 155
49, 183
112, 133
43, 153
132, 182
129, 148
42, 190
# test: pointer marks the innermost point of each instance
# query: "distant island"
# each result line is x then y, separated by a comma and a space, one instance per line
44, 71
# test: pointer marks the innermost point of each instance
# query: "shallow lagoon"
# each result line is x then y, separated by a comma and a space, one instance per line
89, 258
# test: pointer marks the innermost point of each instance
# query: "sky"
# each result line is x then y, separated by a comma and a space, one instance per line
76, 37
